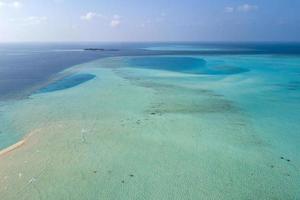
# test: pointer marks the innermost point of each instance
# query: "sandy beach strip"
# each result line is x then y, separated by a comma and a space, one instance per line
16, 145
12, 147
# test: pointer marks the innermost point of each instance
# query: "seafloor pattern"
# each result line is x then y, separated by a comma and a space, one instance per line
145, 128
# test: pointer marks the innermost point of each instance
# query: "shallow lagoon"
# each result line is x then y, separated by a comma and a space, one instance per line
146, 131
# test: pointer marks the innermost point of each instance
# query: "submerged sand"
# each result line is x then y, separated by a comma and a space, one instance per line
122, 137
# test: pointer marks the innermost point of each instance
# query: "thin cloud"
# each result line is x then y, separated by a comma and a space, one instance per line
247, 8
14, 4
32, 20
35, 20
113, 21
241, 8
90, 16
229, 9
116, 21
116, 17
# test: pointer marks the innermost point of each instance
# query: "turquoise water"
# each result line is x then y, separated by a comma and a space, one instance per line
185, 47
185, 65
264, 98
159, 127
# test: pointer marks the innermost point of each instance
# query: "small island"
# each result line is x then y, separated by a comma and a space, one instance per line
99, 49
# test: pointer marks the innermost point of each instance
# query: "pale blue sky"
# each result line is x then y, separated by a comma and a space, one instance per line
151, 20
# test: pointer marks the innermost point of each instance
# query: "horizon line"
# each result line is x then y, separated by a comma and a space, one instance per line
158, 41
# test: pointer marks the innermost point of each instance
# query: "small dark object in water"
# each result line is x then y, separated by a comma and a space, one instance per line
123, 181
283, 158
272, 166
153, 113
131, 175
95, 172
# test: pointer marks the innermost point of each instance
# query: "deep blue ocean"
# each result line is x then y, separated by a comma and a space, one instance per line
25, 66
